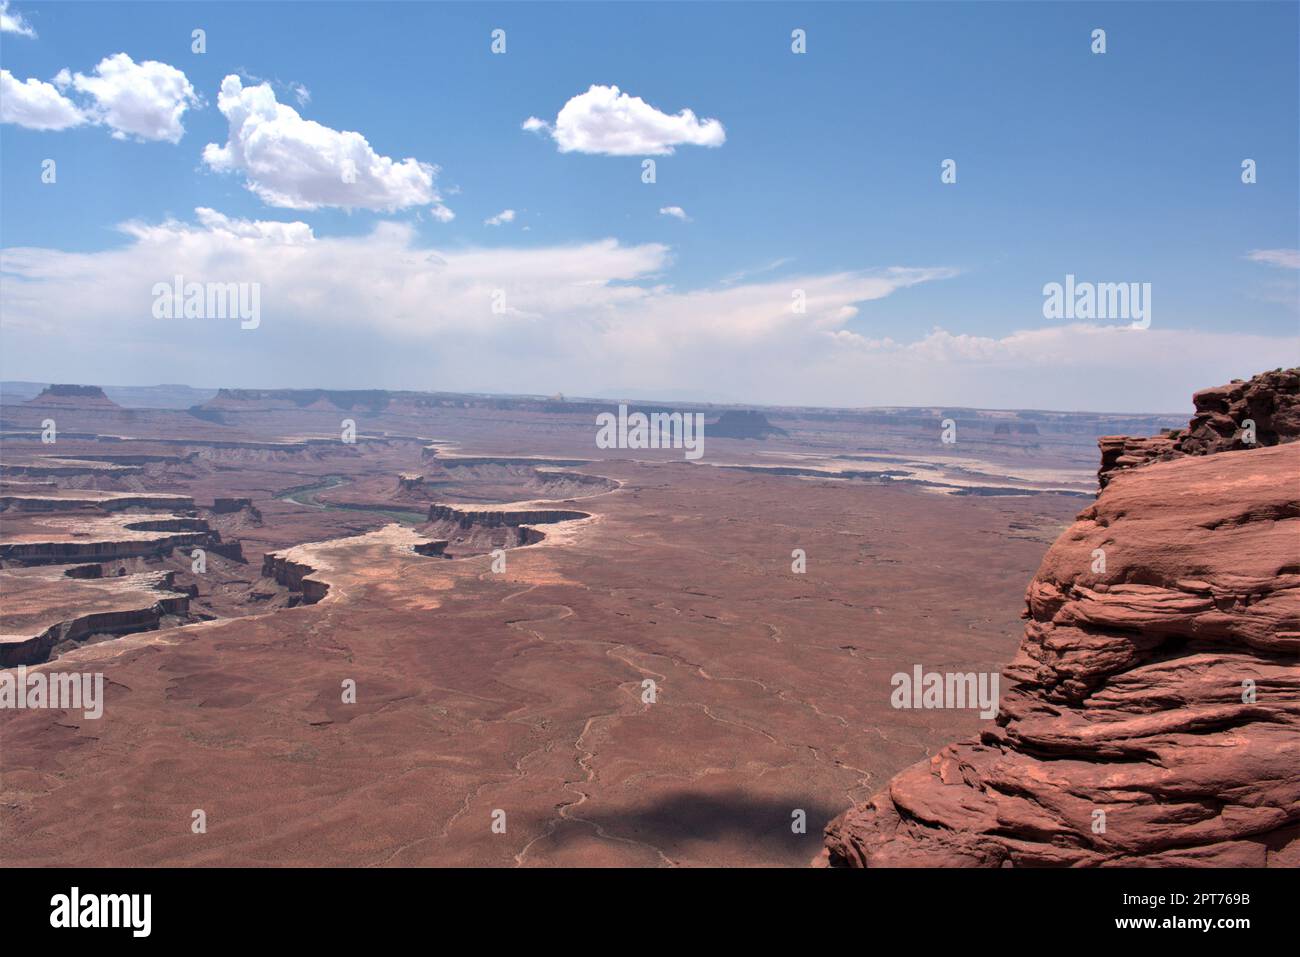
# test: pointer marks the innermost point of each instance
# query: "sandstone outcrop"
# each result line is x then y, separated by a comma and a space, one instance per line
742, 424
1153, 710
410, 482
225, 506
73, 396
1270, 402
69, 538
35, 621
294, 576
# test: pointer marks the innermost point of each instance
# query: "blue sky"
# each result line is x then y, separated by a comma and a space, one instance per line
1117, 167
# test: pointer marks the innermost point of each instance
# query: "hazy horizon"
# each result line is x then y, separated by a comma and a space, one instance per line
577, 397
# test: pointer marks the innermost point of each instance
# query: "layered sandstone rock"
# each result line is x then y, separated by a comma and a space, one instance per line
1262, 411
1153, 712
45, 609
58, 538
410, 482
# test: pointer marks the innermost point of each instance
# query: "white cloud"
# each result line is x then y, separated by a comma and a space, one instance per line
441, 213
383, 309
276, 232
604, 120
146, 100
36, 105
1285, 258
296, 163
674, 211
14, 22
505, 216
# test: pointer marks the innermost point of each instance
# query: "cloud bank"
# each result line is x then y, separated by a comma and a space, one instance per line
591, 318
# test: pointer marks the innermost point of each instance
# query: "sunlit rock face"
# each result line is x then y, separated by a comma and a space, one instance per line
1253, 413
1152, 714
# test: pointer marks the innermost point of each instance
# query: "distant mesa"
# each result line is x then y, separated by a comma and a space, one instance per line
1019, 428
73, 397
742, 424
348, 400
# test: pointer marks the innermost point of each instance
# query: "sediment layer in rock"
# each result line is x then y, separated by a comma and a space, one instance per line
1153, 713
1258, 412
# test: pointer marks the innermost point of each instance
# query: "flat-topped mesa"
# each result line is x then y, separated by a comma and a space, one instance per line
1261, 411
742, 424
224, 506
61, 538
35, 623
1152, 714
314, 400
294, 576
432, 549
49, 465
71, 500
73, 397
77, 391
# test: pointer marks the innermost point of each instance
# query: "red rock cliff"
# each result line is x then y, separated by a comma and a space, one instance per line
1268, 405
1152, 715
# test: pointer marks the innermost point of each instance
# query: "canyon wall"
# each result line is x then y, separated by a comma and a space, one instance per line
1152, 715
490, 517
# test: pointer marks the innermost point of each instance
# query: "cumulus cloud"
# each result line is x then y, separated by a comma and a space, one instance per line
1284, 258
143, 100
606, 121
13, 22
676, 212
297, 163
36, 105
505, 216
387, 309
275, 232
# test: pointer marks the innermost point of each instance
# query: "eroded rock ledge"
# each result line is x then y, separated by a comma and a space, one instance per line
35, 621
1271, 401
1152, 714
498, 517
